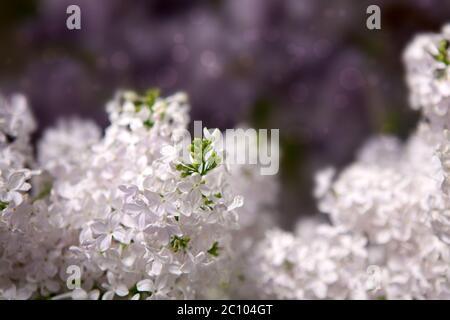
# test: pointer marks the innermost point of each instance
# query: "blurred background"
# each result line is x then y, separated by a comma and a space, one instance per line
310, 68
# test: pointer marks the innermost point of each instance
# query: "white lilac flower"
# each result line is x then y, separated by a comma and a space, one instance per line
142, 221
440, 202
384, 194
16, 125
66, 145
380, 243
387, 195
150, 224
29, 247
325, 263
256, 215
139, 220
427, 61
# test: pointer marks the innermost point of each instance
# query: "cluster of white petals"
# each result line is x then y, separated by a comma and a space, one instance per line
325, 262
387, 196
28, 253
136, 217
144, 213
256, 216
389, 211
380, 243
427, 69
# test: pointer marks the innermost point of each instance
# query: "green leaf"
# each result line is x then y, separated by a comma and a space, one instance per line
179, 243
442, 55
214, 250
3, 205
138, 105
207, 201
151, 95
204, 158
149, 123
148, 99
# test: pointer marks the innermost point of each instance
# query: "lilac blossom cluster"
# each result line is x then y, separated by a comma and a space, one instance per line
136, 219
143, 223
389, 227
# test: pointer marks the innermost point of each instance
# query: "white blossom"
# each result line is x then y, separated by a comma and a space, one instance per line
141, 220
427, 61
325, 264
